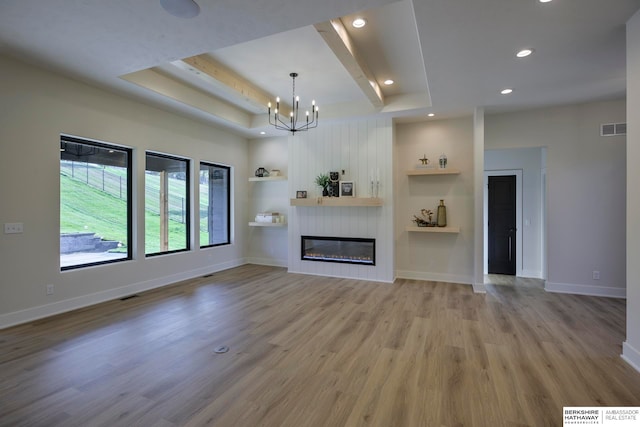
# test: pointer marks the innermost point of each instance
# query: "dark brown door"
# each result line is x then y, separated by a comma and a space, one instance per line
502, 225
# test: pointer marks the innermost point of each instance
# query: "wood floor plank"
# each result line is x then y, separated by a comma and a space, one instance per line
318, 351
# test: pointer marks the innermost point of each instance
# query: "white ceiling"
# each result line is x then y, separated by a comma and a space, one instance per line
446, 56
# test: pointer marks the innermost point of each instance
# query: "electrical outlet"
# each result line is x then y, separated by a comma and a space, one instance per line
596, 275
49, 289
13, 228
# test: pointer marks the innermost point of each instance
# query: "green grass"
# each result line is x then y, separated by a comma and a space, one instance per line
86, 209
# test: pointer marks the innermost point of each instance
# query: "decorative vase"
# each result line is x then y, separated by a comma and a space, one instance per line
442, 214
443, 161
325, 192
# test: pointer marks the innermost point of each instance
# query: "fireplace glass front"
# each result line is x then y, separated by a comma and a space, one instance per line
346, 250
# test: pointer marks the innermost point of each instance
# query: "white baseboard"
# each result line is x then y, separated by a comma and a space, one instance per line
532, 274
479, 288
30, 314
597, 291
268, 261
631, 356
434, 277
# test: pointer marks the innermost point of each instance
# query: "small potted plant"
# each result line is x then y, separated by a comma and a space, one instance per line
428, 213
426, 220
322, 181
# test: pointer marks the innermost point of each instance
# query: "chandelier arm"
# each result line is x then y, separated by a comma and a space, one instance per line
278, 123
279, 120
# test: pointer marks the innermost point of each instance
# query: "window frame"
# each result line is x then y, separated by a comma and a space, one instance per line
189, 188
228, 202
108, 146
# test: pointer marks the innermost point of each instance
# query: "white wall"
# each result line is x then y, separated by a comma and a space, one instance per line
357, 147
529, 162
586, 190
268, 245
441, 257
631, 347
36, 106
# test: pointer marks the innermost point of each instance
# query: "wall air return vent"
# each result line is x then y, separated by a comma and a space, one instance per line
613, 129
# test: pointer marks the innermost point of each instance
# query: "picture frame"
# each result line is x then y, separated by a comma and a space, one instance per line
347, 189
301, 194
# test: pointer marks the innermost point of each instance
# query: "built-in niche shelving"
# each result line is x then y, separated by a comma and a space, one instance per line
267, 179
338, 202
432, 172
413, 228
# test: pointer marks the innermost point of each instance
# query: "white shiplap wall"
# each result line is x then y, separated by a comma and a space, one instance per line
358, 148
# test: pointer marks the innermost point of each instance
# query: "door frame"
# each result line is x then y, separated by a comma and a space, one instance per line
519, 246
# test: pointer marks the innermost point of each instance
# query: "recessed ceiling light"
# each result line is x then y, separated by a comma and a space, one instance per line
544, 1
359, 23
430, 114
262, 132
388, 82
524, 53
506, 91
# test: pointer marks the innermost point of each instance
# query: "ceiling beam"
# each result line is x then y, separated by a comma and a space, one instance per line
165, 85
335, 35
224, 79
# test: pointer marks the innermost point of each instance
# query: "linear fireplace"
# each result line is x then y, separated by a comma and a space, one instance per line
346, 250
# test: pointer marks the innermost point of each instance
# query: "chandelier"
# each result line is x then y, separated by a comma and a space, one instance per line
292, 125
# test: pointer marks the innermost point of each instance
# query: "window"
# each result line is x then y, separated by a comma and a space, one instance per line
167, 213
95, 203
215, 223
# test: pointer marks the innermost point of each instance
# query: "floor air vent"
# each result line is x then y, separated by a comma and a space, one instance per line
129, 297
613, 129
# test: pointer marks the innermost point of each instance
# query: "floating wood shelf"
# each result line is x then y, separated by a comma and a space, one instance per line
414, 228
433, 171
268, 178
267, 224
338, 201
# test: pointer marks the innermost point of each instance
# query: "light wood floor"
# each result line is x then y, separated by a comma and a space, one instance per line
316, 351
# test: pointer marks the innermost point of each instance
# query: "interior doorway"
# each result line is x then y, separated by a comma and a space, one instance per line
501, 225
529, 167
502, 249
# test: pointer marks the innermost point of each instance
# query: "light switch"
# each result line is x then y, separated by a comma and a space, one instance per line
13, 228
